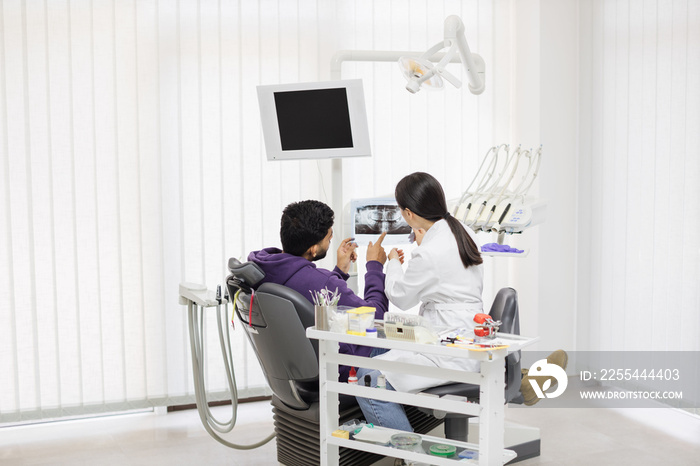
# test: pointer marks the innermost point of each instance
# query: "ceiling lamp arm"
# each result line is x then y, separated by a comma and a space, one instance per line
473, 63
440, 67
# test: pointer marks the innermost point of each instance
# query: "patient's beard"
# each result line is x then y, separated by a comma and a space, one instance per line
320, 255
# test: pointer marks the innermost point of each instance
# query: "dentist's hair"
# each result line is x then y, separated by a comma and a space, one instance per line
422, 194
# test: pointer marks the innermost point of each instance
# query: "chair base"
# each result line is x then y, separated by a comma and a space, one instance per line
525, 450
298, 441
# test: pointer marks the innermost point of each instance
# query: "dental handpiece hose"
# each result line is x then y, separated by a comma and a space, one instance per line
211, 424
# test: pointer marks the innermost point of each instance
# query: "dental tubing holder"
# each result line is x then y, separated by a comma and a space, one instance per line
197, 298
497, 200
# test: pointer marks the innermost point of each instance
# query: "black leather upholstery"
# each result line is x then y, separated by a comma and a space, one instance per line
244, 276
275, 326
275, 319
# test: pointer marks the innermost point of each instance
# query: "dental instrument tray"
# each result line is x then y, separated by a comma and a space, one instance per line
409, 327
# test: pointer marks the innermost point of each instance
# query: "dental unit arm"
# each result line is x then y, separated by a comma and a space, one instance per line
197, 294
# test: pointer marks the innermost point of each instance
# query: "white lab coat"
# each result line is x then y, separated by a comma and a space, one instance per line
450, 296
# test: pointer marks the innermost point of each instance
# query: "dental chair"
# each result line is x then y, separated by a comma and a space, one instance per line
505, 309
275, 319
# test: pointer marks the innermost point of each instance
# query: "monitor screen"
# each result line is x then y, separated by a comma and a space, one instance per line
314, 120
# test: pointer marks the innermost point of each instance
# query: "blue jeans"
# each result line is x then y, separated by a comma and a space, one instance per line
382, 413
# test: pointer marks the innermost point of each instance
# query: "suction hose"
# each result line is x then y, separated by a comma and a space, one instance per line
212, 425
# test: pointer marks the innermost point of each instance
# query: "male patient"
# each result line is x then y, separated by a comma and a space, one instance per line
306, 232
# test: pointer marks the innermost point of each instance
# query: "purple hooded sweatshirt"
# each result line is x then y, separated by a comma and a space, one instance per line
303, 276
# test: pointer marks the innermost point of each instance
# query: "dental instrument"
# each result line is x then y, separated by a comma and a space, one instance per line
487, 192
520, 192
482, 223
503, 206
488, 173
490, 191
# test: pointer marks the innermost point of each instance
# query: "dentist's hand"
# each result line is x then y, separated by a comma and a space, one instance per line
396, 254
346, 254
420, 233
375, 252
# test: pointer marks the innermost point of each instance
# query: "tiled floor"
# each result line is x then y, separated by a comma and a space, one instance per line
569, 437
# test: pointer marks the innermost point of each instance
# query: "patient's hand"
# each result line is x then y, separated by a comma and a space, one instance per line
346, 254
396, 254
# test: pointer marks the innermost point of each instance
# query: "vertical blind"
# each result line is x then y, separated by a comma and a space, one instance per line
132, 160
639, 181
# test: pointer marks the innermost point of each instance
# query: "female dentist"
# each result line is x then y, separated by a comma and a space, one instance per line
445, 274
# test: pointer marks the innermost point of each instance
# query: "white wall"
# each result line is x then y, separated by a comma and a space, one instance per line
609, 89
545, 111
639, 176
559, 128
639, 182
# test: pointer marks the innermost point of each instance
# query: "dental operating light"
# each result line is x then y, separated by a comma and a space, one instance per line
421, 71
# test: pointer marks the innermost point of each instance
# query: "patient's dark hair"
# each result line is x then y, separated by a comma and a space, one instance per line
304, 224
422, 194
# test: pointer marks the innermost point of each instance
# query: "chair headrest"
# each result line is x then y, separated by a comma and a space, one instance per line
247, 275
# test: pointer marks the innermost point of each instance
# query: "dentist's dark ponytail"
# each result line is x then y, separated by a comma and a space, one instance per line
422, 194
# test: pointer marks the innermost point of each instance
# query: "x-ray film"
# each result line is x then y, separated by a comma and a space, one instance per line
372, 217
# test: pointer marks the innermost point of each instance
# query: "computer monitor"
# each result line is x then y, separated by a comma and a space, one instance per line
314, 120
372, 217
